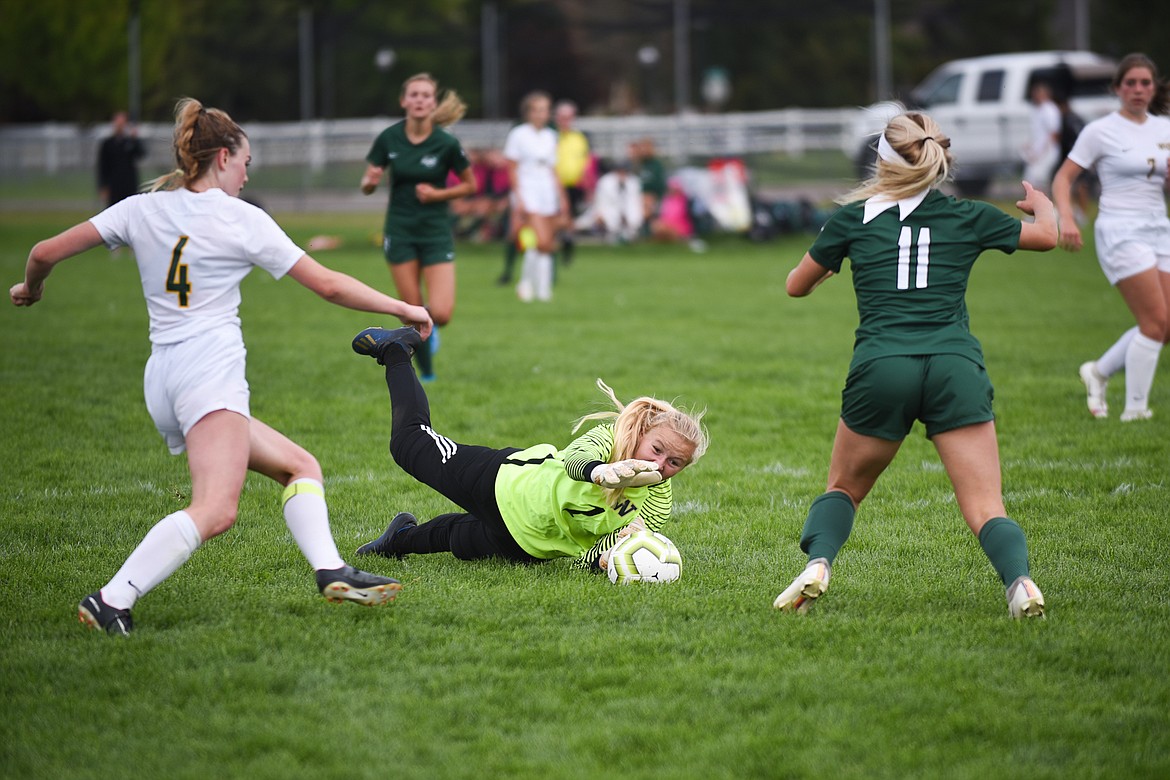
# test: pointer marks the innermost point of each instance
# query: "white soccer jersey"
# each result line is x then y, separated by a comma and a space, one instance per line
535, 154
1130, 160
193, 249
1045, 121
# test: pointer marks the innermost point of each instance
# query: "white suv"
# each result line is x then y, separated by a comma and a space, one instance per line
982, 104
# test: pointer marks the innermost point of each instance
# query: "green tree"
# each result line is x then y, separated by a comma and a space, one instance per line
67, 60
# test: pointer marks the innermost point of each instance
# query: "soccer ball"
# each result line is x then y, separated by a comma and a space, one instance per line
644, 556
526, 239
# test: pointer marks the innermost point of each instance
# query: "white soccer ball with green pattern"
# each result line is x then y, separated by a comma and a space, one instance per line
644, 556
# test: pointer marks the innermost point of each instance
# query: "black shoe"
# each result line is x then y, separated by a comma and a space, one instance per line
376, 342
383, 544
504, 281
94, 612
350, 584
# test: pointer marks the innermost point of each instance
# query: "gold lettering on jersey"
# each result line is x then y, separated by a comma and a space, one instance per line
177, 275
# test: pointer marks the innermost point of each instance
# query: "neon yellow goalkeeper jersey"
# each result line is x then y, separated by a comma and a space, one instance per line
553, 510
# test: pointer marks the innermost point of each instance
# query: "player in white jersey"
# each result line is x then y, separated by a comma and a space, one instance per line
1043, 149
1129, 149
194, 241
538, 199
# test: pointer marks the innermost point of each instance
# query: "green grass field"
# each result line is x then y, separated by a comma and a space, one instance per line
908, 667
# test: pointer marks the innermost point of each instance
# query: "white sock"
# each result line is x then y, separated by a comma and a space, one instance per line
1114, 358
165, 548
526, 288
307, 517
1141, 361
544, 275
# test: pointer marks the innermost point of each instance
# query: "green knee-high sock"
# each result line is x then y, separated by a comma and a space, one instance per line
830, 519
1005, 546
510, 252
422, 357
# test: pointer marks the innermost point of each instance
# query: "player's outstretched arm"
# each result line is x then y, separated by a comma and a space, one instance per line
47, 254
1042, 233
346, 291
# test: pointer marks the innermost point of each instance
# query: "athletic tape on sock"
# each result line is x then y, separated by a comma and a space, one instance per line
302, 486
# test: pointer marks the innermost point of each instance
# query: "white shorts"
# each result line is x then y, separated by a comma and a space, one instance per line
1129, 245
185, 382
539, 194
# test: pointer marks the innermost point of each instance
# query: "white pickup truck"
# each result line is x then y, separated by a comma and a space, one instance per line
982, 104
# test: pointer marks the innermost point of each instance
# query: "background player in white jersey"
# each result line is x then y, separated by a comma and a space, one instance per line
538, 199
1129, 150
911, 250
194, 241
1043, 150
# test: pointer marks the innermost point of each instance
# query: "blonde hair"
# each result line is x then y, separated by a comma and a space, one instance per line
199, 135
449, 110
634, 420
926, 160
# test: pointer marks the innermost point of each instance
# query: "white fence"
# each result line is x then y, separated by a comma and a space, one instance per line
60, 148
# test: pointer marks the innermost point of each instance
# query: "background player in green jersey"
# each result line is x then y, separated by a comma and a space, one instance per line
539, 503
911, 250
417, 238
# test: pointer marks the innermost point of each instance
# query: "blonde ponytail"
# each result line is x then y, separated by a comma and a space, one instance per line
921, 159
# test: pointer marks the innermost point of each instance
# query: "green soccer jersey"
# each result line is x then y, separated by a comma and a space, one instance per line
553, 510
410, 164
910, 275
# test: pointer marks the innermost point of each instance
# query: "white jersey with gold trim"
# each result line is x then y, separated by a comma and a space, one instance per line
193, 249
1130, 160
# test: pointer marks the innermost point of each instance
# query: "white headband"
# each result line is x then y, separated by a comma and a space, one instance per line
887, 153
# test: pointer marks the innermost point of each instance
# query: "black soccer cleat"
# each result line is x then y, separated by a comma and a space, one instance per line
383, 544
376, 342
350, 584
94, 612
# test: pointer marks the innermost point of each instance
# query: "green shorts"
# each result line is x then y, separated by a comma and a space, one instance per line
429, 252
883, 397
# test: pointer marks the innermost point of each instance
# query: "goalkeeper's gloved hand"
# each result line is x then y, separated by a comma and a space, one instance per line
635, 525
625, 473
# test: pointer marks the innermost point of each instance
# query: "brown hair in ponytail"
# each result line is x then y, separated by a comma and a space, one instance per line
199, 135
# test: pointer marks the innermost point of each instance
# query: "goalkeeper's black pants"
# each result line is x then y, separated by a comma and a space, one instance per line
463, 473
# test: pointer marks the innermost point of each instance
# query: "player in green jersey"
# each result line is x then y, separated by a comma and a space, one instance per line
417, 238
911, 250
538, 503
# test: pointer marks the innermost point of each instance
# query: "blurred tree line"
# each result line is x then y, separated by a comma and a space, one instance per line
67, 60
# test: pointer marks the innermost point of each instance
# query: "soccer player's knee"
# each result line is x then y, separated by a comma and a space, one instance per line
400, 446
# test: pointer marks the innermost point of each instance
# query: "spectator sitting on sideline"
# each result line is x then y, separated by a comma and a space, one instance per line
673, 222
651, 175
616, 209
